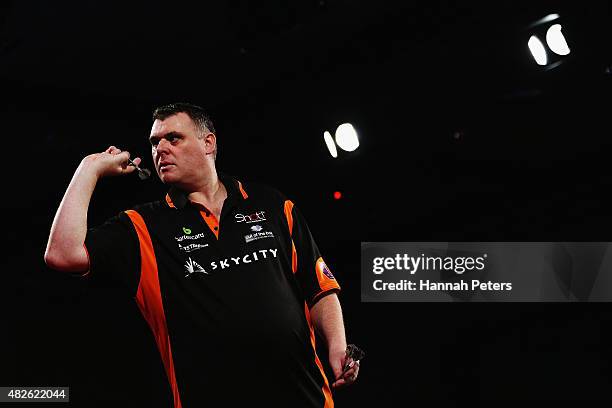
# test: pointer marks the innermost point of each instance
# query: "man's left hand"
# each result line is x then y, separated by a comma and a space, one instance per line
338, 360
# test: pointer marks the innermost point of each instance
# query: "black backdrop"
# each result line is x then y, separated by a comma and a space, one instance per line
462, 138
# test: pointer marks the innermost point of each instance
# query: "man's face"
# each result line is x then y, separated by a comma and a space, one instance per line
178, 153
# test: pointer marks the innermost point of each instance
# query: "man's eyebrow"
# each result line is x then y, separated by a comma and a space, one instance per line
156, 136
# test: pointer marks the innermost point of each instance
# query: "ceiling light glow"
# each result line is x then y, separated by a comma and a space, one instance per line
556, 40
537, 50
331, 146
346, 137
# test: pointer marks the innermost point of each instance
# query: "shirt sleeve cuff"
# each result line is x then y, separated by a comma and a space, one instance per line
327, 290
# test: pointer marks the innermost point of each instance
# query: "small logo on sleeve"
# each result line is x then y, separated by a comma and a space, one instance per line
187, 231
323, 270
327, 272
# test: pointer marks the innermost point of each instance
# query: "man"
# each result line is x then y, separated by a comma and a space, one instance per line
226, 274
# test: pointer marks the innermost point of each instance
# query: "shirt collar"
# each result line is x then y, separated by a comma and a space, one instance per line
177, 198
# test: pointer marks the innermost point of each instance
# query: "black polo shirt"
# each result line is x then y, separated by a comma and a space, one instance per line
227, 300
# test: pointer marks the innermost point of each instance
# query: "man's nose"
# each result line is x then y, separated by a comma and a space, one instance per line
162, 146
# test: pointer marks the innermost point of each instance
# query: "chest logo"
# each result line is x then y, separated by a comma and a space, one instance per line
189, 237
191, 247
243, 261
193, 267
257, 234
189, 242
257, 216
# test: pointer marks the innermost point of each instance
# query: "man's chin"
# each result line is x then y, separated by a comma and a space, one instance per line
167, 178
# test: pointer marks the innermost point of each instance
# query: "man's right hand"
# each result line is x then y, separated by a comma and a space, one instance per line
65, 249
111, 162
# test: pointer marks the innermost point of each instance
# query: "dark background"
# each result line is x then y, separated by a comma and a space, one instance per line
463, 137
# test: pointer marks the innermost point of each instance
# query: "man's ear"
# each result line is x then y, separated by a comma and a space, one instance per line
210, 143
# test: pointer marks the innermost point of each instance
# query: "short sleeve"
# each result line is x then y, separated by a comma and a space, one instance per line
114, 253
312, 273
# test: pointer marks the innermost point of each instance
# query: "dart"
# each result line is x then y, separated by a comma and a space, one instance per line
353, 353
143, 174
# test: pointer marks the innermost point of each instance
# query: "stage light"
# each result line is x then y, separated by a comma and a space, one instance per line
331, 146
537, 50
346, 137
337, 195
547, 19
547, 44
556, 41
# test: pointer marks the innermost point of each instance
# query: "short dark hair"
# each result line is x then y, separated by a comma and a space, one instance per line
196, 113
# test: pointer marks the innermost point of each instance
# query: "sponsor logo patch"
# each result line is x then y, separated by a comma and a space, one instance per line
258, 235
193, 267
191, 247
257, 216
327, 272
221, 264
323, 271
189, 237
188, 242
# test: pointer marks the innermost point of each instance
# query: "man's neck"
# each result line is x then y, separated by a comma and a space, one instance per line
207, 190
210, 194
